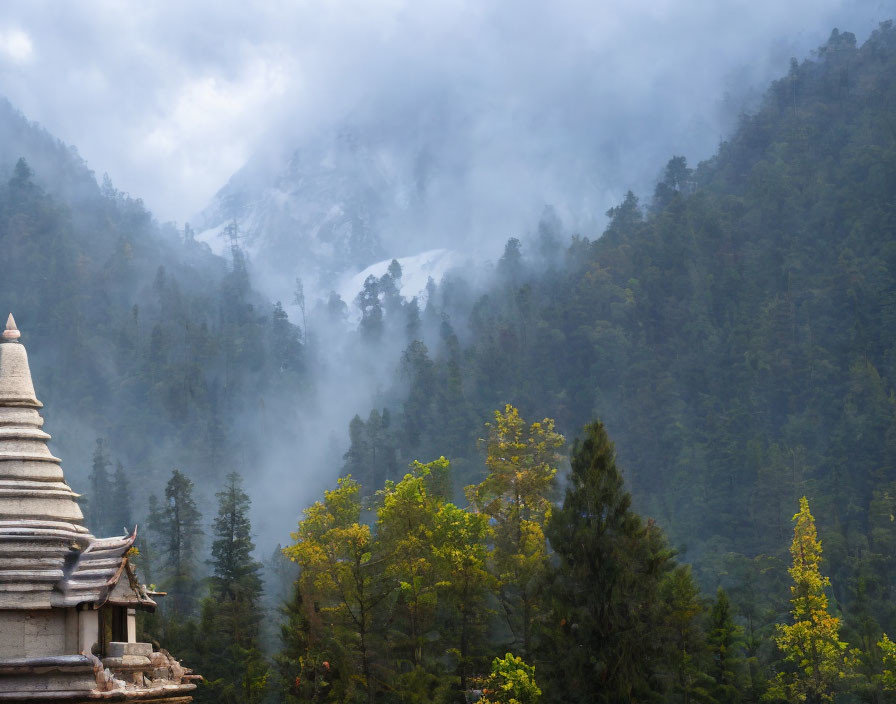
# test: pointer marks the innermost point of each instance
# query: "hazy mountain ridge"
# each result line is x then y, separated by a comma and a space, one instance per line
137, 333
320, 212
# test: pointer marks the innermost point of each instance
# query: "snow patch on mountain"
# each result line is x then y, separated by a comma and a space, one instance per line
415, 273
214, 237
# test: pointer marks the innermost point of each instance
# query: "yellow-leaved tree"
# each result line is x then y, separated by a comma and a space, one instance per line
516, 496
887, 678
811, 644
334, 552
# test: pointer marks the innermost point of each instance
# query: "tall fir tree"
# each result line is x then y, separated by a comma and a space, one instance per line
169, 559
684, 640
181, 540
725, 640
230, 656
604, 643
236, 573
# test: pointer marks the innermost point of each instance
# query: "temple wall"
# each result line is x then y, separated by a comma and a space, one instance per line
26, 634
49, 682
72, 632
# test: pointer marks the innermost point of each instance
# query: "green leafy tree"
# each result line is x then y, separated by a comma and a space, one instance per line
811, 644
339, 575
436, 556
888, 675
406, 536
462, 557
512, 681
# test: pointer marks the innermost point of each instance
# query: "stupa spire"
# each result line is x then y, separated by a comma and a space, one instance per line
16, 387
40, 520
11, 332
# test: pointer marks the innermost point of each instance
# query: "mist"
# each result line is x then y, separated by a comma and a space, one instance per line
445, 125
170, 100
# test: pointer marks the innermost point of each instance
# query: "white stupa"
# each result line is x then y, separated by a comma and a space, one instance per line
68, 600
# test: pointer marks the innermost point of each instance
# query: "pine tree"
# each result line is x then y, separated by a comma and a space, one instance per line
181, 539
394, 271
811, 645
391, 295
510, 264
302, 666
606, 619
685, 641
169, 554
236, 573
286, 349
413, 324
724, 641
368, 300
151, 540
97, 502
371, 457
230, 654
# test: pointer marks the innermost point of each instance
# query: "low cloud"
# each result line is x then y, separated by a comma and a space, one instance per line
15, 46
170, 98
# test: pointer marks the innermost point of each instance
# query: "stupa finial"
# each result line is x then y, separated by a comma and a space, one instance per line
11, 332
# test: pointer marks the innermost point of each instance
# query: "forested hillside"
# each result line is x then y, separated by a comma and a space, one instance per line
734, 332
138, 335
731, 332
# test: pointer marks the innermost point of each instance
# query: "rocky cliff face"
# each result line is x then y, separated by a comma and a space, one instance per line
329, 204
318, 211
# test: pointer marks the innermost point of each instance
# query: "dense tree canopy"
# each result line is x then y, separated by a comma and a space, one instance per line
733, 331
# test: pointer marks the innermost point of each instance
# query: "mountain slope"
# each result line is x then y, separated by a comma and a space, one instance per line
137, 333
736, 336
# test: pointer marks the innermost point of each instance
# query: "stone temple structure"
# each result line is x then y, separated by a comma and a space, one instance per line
68, 600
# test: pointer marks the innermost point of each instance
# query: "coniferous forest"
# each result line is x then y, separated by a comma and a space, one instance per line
654, 466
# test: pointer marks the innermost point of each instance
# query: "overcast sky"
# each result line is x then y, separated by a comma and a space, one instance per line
170, 98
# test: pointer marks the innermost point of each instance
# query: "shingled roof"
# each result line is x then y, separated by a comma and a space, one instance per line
94, 573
